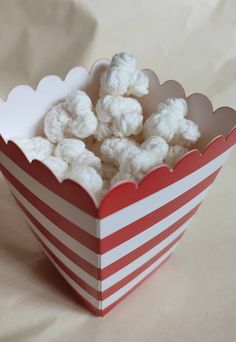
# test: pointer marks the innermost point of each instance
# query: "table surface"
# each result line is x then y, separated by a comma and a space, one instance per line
192, 296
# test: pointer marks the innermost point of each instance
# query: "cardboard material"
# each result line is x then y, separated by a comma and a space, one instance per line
105, 252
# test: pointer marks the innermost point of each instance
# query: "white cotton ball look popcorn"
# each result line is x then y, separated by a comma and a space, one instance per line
123, 115
87, 176
72, 118
99, 147
57, 165
170, 123
35, 148
69, 149
122, 77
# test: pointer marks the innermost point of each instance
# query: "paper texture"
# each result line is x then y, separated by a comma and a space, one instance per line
192, 297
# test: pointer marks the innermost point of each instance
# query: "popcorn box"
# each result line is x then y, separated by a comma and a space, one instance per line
105, 251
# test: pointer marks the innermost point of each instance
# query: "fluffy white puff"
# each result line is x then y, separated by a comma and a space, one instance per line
77, 103
111, 148
114, 81
86, 176
171, 125
156, 145
138, 84
57, 165
122, 77
87, 158
174, 154
55, 123
35, 148
83, 125
187, 133
125, 61
162, 125
124, 114
103, 131
178, 106
69, 149
138, 161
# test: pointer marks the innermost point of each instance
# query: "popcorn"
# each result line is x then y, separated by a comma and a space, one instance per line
72, 118
87, 158
35, 148
86, 176
122, 77
122, 114
111, 148
57, 165
69, 149
55, 123
170, 124
99, 148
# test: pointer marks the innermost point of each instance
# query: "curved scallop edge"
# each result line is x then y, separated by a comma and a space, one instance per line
218, 143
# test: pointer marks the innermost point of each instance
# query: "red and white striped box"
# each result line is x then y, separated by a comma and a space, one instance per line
105, 252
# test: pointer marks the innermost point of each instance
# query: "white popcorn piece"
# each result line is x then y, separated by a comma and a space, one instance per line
122, 77
35, 148
55, 123
87, 158
124, 114
162, 125
83, 126
78, 103
86, 176
57, 165
139, 84
111, 148
69, 149
178, 106
170, 124
187, 133
103, 131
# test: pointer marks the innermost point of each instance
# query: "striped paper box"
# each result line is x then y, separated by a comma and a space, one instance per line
105, 252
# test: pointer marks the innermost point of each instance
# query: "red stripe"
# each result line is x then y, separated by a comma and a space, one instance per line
122, 235
72, 275
60, 221
117, 265
154, 217
128, 258
103, 295
85, 265
138, 271
103, 312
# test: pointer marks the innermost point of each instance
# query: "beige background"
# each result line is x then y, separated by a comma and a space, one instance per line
192, 297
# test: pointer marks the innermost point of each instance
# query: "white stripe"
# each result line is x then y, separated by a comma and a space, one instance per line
134, 265
111, 299
66, 239
117, 295
133, 212
123, 217
122, 249
138, 240
95, 302
63, 258
68, 210
113, 279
